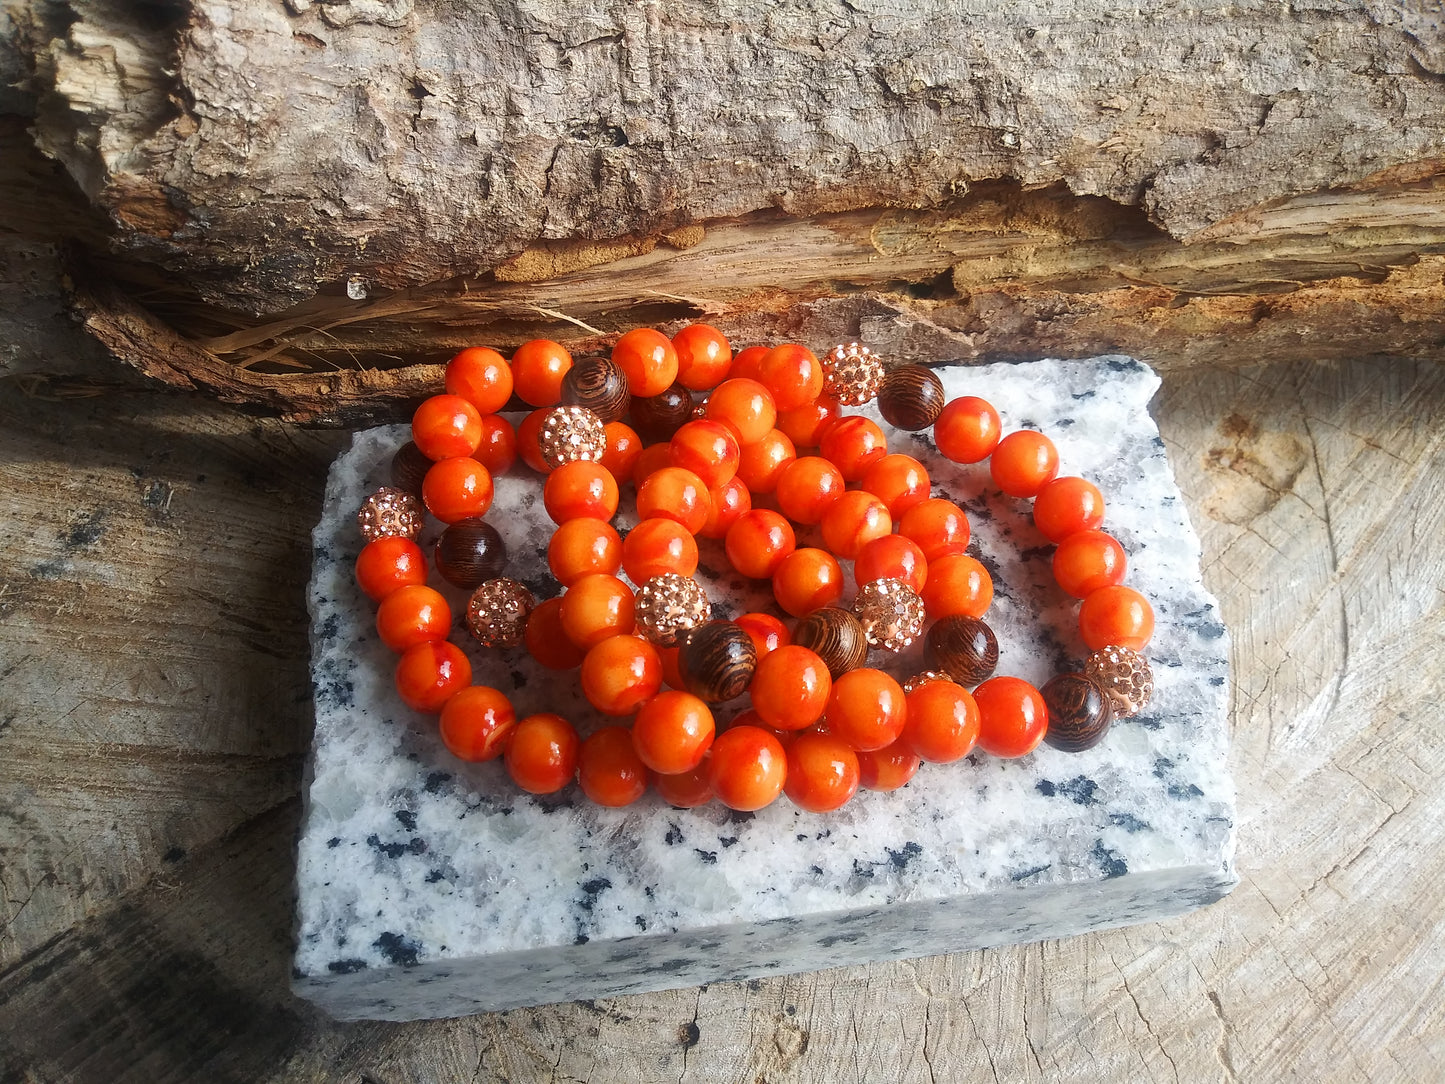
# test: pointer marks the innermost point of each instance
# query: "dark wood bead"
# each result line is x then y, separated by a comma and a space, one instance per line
470, 552
962, 647
1079, 712
911, 398
836, 636
658, 417
409, 467
600, 385
716, 661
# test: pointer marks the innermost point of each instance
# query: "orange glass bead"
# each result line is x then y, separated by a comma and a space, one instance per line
542, 755
899, 481
942, 723
677, 494
477, 722
671, 670
763, 461
939, 527
852, 521
413, 615
537, 371
673, 732
853, 444
807, 580
745, 405
1023, 463
822, 772
431, 673
957, 584
747, 768
728, 504
1087, 561
1012, 717
446, 426
596, 607
806, 425
703, 356
790, 687
866, 709
968, 430
388, 563
497, 450
580, 490
746, 362
547, 641
891, 557
758, 542
766, 632
808, 487
529, 440
888, 768
458, 488
653, 459
656, 546
1067, 506
620, 674
581, 547
793, 374
686, 790
482, 377
624, 447
1115, 616
649, 360
609, 770
707, 448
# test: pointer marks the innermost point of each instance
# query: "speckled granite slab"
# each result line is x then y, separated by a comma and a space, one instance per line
430, 888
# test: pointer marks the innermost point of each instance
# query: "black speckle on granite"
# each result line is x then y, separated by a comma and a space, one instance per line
1162, 766
818, 870
435, 781
434, 876
1025, 874
416, 845
1216, 680
1128, 822
708, 857
900, 859
1111, 864
346, 967
1181, 792
639, 922
833, 938
581, 939
802, 837
1084, 394
331, 626
739, 816
397, 949
674, 834
727, 841
407, 819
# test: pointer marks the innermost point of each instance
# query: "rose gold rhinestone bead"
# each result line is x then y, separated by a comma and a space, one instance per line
1125, 676
891, 613
497, 612
669, 604
390, 512
852, 374
570, 433
917, 681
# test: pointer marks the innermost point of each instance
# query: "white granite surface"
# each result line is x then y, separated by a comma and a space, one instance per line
428, 887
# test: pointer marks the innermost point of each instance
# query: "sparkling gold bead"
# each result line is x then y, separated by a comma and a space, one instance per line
570, 433
917, 681
390, 512
852, 374
891, 613
497, 612
1125, 677
669, 604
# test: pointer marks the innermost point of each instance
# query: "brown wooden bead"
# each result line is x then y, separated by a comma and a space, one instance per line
911, 397
1079, 712
836, 636
716, 661
658, 417
600, 385
409, 467
470, 552
963, 647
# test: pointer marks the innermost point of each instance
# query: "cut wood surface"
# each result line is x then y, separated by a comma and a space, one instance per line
154, 710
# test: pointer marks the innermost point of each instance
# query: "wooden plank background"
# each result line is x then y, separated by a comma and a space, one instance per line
154, 710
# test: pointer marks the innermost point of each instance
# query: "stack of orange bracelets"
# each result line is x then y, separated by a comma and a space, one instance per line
708, 432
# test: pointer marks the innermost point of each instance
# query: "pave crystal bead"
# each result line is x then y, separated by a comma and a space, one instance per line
669, 604
891, 613
1125, 677
570, 433
852, 374
497, 612
390, 512
917, 681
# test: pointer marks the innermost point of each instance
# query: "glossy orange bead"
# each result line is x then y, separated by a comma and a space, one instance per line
889, 768
707, 448
790, 688
649, 360
891, 557
477, 722
537, 371
620, 674
763, 461
458, 488
580, 490
1023, 463
497, 450
542, 754
1087, 561
653, 459
482, 377
939, 526
793, 374
677, 494
671, 670
957, 584
656, 546
942, 723
673, 732
446, 426
1118, 616
808, 487
747, 361
686, 790
747, 768
806, 425
1067, 506
529, 440
867, 709
822, 772
704, 356
1012, 717
853, 444
807, 580
413, 615
852, 521
758, 542
728, 503
386, 564
899, 481
596, 607
968, 430
429, 674
609, 770
547, 641
581, 547
745, 405
766, 632
624, 447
